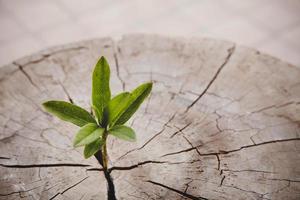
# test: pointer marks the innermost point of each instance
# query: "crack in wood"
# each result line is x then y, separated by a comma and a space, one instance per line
217, 121
230, 53
181, 130
177, 191
282, 179
219, 161
151, 139
222, 180
231, 151
45, 165
111, 194
145, 144
178, 152
252, 140
47, 55
125, 168
115, 54
66, 92
27, 75
43, 57
277, 191
72, 186
198, 152
19, 192
135, 166
95, 169
248, 170
274, 106
187, 186
261, 196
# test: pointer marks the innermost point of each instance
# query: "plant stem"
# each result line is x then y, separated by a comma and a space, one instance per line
104, 151
110, 184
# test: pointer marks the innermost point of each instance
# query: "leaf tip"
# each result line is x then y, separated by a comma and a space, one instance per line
102, 60
150, 84
46, 105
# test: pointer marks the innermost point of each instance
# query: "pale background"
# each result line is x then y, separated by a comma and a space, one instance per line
271, 26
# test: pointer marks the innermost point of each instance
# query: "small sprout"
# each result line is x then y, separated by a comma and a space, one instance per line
108, 114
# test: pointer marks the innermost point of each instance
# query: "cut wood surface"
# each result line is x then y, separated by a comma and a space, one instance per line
222, 122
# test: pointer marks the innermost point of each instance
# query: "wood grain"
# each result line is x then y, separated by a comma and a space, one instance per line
222, 122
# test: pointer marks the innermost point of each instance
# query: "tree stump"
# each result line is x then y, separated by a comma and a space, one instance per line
222, 122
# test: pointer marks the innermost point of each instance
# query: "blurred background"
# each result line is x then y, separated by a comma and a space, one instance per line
271, 26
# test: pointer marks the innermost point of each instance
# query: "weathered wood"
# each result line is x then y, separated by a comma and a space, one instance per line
222, 122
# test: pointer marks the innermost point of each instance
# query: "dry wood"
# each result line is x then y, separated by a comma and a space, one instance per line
223, 122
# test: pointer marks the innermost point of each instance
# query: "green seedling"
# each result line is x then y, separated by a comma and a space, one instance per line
108, 114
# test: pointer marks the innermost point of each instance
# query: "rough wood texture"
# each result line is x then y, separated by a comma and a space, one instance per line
223, 122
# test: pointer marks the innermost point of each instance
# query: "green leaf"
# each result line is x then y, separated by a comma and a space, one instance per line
88, 134
97, 114
137, 97
123, 132
100, 87
69, 112
117, 106
92, 148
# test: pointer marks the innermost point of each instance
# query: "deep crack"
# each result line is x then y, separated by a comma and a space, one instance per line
45, 165
124, 168
135, 166
111, 187
111, 194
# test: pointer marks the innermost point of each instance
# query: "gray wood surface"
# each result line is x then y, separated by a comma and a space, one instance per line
222, 122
